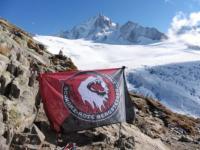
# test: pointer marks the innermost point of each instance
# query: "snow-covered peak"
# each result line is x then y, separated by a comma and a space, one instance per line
136, 33
103, 22
96, 28
102, 29
99, 21
130, 25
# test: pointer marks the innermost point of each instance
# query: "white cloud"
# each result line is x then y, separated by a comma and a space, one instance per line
186, 28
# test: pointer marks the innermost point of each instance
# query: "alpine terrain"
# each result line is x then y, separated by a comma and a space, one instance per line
167, 71
156, 74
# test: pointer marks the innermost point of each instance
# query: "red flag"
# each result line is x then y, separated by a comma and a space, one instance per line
78, 100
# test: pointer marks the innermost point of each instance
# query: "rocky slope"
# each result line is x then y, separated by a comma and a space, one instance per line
155, 127
21, 59
23, 123
101, 29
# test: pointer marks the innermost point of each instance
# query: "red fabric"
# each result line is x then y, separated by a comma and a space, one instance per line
52, 94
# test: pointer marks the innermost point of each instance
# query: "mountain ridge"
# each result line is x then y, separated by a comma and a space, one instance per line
102, 29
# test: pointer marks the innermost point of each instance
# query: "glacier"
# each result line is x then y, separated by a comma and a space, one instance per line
167, 71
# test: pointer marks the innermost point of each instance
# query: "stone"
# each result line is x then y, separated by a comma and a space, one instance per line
11, 68
19, 139
30, 140
41, 46
3, 63
34, 139
35, 130
2, 84
48, 146
3, 145
125, 143
32, 147
14, 70
2, 125
14, 91
186, 139
37, 47
18, 71
31, 80
17, 33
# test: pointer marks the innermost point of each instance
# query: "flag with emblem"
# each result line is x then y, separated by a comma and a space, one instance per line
77, 100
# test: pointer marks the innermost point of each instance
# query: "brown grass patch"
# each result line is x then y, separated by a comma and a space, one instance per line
170, 119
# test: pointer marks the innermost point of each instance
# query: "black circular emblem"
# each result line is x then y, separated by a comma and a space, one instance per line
91, 96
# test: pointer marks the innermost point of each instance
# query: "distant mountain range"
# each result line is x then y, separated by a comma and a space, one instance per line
101, 29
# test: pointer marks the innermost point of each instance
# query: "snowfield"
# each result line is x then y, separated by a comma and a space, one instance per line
167, 71
176, 85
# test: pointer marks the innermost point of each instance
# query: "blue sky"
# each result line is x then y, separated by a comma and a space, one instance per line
50, 16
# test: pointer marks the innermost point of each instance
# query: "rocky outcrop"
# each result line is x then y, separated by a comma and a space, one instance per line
62, 63
31, 139
21, 60
155, 127
175, 130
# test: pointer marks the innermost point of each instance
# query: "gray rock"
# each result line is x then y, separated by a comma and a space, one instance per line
2, 84
31, 140
5, 79
11, 68
3, 145
31, 80
2, 125
186, 139
125, 143
14, 91
14, 70
36, 131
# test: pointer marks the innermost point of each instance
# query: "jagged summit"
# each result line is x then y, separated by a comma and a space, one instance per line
103, 22
102, 29
92, 29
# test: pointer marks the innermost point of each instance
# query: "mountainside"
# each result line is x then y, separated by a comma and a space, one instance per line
167, 71
101, 29
21, 60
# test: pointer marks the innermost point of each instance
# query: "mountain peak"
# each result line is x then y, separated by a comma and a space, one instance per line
103, 21
100, 28
131, 23
103, 17
100, 21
